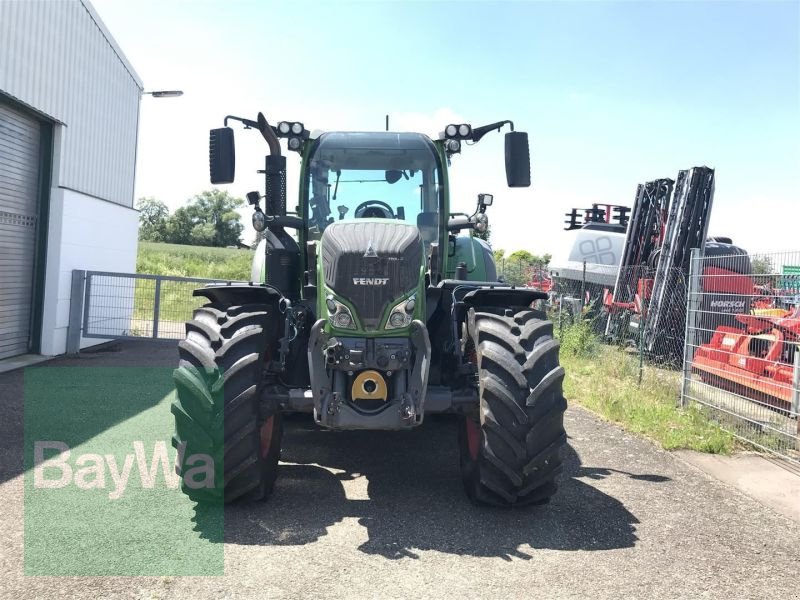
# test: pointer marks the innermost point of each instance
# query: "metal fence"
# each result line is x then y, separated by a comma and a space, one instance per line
129, 305
627, 308
742, 355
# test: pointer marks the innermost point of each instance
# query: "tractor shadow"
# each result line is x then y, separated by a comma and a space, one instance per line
405, 490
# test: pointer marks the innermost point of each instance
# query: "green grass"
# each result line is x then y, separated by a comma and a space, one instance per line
605, 380
193, 261
177, 302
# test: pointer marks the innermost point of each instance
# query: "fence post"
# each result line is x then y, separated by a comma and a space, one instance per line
583, 285
642, 329
75, 312
690, 330
156, 307
796, 391
560, 314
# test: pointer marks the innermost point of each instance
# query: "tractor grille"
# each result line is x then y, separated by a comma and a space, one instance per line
371, 263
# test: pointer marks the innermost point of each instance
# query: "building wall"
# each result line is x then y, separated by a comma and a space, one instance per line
84, 233
58, 58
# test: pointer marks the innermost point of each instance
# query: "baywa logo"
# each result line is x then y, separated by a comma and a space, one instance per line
370, 280
97, 471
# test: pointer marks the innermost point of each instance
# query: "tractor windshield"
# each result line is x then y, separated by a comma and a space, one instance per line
374, 175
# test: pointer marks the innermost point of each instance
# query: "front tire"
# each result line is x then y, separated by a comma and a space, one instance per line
510, 447
219, 380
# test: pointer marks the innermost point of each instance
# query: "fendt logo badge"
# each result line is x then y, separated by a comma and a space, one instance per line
370, 280
370, 253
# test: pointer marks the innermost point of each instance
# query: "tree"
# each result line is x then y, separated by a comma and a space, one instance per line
763, 271
209, 219
179, 227
517, 267
153, 217
521, 256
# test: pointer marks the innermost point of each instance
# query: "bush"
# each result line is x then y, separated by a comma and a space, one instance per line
578, 339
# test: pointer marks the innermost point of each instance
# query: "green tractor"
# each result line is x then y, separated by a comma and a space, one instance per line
373, 315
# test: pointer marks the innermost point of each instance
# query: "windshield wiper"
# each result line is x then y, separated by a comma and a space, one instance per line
336, 186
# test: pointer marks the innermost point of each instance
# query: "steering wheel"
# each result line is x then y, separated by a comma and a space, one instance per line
377, 206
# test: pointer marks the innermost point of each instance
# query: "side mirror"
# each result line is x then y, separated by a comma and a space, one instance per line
518, 159
221, 155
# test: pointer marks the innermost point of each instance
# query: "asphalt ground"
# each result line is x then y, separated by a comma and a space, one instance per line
369, 514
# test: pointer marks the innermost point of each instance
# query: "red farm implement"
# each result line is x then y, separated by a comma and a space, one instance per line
756, 359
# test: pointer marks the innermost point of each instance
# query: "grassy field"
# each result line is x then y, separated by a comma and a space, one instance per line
605, 380
177, 302
193, 261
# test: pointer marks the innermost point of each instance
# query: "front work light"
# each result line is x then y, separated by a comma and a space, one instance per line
284, 128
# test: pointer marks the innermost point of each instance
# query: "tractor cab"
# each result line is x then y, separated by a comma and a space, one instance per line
391, 176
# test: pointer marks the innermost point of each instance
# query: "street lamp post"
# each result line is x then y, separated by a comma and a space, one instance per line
164, 93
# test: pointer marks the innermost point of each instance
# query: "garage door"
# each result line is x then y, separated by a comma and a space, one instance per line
19, 210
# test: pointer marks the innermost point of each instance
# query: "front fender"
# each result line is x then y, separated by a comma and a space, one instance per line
231, 294
503, 297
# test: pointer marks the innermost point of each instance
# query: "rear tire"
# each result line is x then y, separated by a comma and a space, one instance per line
510, 447
219, 380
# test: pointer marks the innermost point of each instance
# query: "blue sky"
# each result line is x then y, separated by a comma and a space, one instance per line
611, 94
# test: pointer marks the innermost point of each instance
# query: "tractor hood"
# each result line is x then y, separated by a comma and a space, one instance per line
370, 263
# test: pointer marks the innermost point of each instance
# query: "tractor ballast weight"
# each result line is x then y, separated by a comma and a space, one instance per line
377, 314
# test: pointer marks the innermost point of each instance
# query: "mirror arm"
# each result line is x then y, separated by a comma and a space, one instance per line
267, 130
457, 225
247, 122
479, 132
286, 221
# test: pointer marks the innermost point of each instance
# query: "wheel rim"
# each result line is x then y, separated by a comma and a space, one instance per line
266, 435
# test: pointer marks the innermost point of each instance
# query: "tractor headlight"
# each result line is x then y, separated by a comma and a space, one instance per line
284, 128
343, 320
297, 128
339, 315
259, 221
451, 131
401, 314
294, 143
464, 130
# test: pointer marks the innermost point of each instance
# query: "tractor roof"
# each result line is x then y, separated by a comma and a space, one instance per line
377, 139
375, 150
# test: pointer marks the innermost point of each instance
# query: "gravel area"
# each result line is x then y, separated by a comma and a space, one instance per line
368, 514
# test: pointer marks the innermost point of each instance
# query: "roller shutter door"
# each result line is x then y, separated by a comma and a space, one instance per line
19, 213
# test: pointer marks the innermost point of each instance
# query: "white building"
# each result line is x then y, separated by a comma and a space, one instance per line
69, 111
